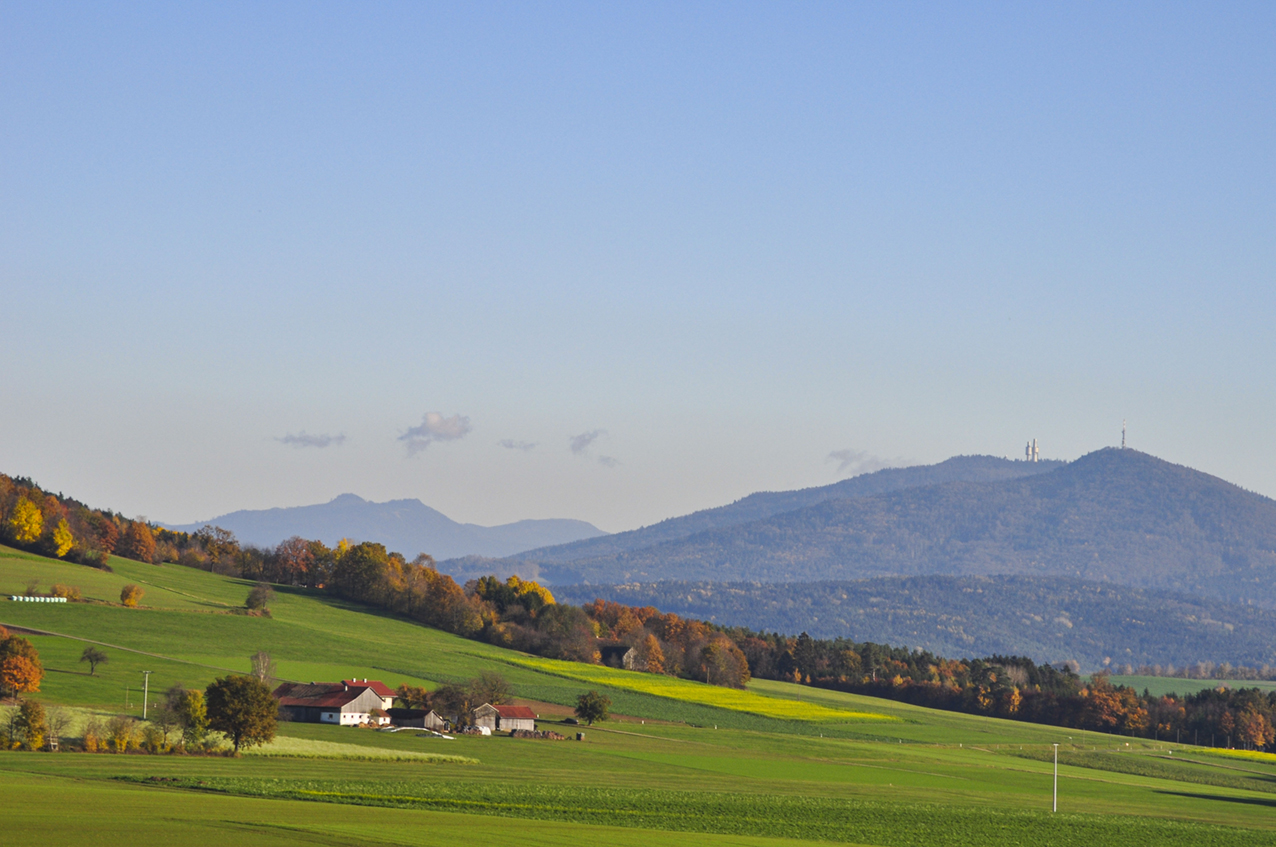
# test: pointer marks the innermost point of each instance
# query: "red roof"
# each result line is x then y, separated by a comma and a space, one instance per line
321, 695
515, 712
375, 684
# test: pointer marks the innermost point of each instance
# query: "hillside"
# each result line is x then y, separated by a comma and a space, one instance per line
762, 505
407, 526
1114, 516
1048, 619
675, 766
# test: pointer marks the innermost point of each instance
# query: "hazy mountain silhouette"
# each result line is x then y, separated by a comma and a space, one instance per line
1114, 515
764, 504
406, 526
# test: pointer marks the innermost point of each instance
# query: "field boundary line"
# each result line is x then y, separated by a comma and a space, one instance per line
32, 631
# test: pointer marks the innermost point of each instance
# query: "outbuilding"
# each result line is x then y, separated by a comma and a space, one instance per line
504, 718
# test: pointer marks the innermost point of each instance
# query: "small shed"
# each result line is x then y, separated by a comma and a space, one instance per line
422, 718
505, 718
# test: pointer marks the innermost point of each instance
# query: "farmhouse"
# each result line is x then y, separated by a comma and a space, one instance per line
504, 718
347, 703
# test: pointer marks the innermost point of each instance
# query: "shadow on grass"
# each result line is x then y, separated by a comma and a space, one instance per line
1249, 801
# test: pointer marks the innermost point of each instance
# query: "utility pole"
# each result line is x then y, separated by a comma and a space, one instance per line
146, 689
1056, 779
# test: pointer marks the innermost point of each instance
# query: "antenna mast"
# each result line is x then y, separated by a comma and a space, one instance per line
1123, 434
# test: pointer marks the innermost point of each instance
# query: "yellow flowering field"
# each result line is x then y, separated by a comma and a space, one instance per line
700, 693
1252, 755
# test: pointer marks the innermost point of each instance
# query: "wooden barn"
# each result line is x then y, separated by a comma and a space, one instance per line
504, 718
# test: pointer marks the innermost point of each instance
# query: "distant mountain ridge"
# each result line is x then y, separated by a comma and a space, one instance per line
765, 504
406, 526
1048, 619
1113, 515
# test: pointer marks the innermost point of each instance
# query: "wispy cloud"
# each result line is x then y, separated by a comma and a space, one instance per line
305, 439
435, 427
580, 443
856, 462
511, 444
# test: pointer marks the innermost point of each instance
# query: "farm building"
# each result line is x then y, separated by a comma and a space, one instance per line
504, 718
618, 656
423, 718
347, 703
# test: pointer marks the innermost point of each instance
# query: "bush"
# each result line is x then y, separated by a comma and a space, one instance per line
121, 734
93, 735
154, 739
261, 595
70, 592
130, 595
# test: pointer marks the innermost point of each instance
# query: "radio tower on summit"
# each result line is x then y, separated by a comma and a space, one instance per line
1123, 434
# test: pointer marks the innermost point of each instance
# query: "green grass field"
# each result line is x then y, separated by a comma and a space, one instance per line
1162, 685
785, 765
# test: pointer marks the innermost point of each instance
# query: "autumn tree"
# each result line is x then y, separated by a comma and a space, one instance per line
20, 667
294, 559
593, 706
412, 696
192, 716
19, 675
94, 657
31, 725
650, 657
63, 540
25, 521
137, 543
722, 663
130, 595
242, 708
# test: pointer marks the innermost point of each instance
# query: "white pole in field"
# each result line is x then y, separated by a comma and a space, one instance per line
1056, 779
146, 689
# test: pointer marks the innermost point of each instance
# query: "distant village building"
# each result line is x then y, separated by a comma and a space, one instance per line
504, 718
350, 702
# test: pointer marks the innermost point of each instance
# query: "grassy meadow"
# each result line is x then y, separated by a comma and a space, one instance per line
681, 763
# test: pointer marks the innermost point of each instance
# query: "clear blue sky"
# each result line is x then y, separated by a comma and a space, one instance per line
728, 240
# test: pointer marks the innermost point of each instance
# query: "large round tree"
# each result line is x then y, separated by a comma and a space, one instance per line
243, 708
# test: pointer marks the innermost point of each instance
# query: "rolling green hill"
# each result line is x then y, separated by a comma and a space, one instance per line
684, 763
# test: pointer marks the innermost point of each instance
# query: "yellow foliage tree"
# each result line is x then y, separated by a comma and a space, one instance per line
63, 540
130, 594
26, 523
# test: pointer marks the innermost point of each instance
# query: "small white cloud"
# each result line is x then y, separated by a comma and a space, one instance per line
435, 427
305, 439
511, 444
856, 462
580, 443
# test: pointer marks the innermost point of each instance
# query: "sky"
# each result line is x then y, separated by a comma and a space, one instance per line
618, 262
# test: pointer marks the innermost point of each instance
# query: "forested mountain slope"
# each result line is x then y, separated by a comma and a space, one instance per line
765, 504
1113, 515
1048, 619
